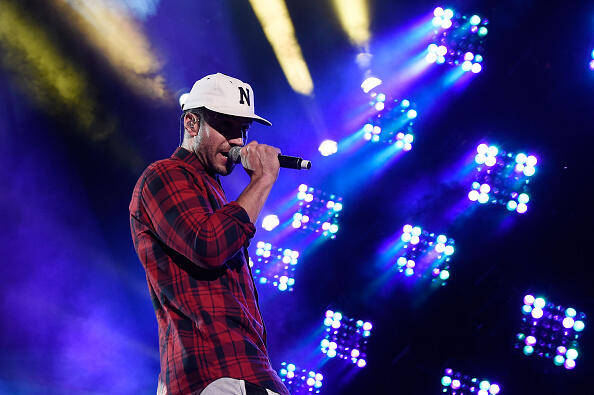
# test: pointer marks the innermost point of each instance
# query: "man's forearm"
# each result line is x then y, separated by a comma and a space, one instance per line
254, 196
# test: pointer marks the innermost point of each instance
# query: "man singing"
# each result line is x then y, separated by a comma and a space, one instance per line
193, 246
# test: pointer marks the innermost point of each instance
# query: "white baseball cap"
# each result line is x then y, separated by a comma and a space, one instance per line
223, 94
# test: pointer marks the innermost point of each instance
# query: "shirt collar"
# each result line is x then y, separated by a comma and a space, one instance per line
191, 159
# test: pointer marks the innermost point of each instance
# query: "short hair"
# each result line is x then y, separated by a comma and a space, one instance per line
208, 116
198, 111
202, 112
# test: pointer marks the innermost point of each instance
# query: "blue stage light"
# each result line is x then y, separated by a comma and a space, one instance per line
424, 254
411, 114
328, 147
457, 383
274, 266
455, 37
392, 122
300, 381
510, 172
550, 331
317, 211
345, 338
370, 83
270, 222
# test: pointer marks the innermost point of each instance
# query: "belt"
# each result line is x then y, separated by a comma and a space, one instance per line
253, 389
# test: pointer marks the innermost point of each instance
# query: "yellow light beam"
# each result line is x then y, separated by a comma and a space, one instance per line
44, 73
114, 32
278, 27
354, 18
47, 77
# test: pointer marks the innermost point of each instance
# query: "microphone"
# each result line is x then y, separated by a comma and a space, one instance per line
288, 162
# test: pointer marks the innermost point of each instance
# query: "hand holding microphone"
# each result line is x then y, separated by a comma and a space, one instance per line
237, 155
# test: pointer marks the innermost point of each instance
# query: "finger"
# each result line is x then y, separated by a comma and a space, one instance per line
273, 150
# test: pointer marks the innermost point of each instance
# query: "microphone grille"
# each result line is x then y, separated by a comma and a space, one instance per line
234, 154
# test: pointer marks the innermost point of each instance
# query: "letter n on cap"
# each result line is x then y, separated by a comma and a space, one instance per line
244, 94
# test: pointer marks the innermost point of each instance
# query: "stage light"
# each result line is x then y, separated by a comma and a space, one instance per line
278, 28
270, 222
431, 57
354, 18
317, 211
510, 172
456, 383
345, 338
392, 123
328, 147
457, 39
274, 265
369, 83
550, 331
424, 254
50, 79
300, 381
444, 275
483, 198
112, 29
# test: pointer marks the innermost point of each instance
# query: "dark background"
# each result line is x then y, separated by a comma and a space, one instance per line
76, 316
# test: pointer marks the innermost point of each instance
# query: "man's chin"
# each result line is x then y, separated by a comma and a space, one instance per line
225, 170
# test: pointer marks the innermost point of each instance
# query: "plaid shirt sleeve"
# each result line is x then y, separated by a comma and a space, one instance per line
174, 200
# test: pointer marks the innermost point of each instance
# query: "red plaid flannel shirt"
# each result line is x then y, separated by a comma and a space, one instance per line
192, 244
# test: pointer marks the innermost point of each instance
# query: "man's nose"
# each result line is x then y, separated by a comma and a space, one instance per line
236, 141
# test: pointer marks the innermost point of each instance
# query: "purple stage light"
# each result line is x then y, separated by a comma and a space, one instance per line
550, 331
345, 338
370, 83
300, 381
425, 254
392, 122
317, 211
274, 266
458, 40
328, 147
502, 178
456, 383
270, 222
592, 61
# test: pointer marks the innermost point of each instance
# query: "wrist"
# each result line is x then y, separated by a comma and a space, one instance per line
263, 179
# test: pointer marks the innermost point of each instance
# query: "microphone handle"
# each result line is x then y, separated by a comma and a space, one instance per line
288, 162
292, 162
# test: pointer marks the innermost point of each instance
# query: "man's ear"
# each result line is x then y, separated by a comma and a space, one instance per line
191, 120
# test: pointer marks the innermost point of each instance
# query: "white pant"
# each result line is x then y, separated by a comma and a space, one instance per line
222, 386
228, 386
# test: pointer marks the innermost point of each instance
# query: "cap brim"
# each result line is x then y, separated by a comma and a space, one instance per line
255, 117
261, 120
